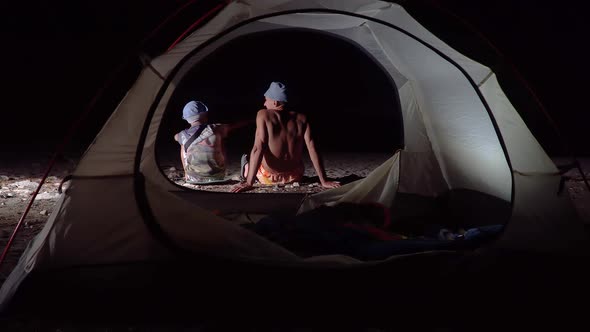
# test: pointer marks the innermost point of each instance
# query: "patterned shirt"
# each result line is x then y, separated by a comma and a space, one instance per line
204, 160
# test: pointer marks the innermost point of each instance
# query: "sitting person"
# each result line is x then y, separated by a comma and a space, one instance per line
202, 149
276, 156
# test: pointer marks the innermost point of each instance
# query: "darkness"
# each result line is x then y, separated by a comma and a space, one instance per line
58, 54
344, 93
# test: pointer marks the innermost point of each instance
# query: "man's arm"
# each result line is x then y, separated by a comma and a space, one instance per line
260, 143
227, 128
239, 124
316, 160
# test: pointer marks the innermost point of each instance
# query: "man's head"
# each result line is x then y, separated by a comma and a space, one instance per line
275, 96
195, 111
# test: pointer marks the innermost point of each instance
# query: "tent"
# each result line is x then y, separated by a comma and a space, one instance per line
122, 223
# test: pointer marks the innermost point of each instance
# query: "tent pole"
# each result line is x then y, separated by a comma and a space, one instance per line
197, 22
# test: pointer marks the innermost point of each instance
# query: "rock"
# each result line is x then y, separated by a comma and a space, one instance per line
172, 169
296, 184
44, 213
52, 179
22, 192
26, 184
2, 203
9, 195
47, 195
4, 178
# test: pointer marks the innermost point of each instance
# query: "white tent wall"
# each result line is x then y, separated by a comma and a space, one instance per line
98, 228
543, 220
260, 7
88, 227
380, 186
541, 214
526, 154
113, 151
458, 125
422, 172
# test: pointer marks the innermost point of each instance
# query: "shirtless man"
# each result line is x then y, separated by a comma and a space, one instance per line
276, 156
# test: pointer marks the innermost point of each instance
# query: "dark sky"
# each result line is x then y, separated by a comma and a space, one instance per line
57, 54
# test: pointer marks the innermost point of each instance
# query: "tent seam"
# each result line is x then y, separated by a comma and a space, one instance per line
485, 79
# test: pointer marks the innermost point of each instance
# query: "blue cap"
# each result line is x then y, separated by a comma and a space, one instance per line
192, 110
277, 91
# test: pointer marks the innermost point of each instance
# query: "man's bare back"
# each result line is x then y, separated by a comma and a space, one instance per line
277, 154
285, 139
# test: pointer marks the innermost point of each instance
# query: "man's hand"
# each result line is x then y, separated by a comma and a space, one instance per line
241, 187
330, 184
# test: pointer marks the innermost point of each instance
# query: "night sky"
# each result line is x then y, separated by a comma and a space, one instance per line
57, 54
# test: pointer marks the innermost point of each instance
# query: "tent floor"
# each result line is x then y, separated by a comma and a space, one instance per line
456, 208
442, 285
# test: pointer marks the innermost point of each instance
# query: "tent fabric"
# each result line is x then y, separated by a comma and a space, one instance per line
379, 186
526, 154
453, 141
542, 219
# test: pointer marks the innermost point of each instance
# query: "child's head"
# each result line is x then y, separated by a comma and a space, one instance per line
195, 111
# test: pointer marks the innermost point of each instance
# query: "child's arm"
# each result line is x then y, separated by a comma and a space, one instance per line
233, 126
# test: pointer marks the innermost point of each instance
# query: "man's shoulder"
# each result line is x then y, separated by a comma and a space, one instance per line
264, 113
219, 128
